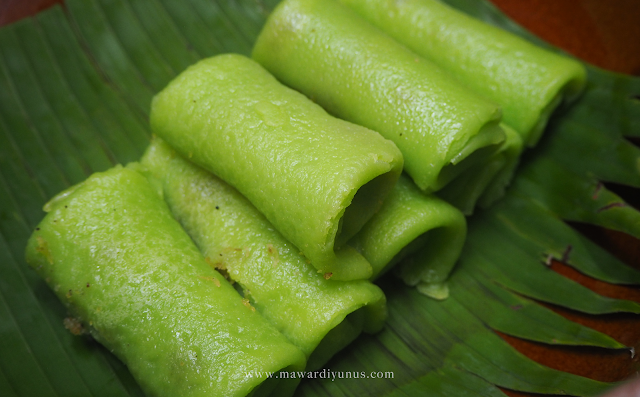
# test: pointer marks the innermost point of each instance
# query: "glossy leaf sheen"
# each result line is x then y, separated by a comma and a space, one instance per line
75, 87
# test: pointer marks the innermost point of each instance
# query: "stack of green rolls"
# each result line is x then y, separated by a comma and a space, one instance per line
270, 162
356, 72
136, 268
247, 239
316, 178
440, 98
276, 279
527, 81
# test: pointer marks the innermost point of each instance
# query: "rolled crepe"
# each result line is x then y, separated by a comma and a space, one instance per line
317, 315
526, 80
333, 56
112, 252
316, 178
421, 233
485, 185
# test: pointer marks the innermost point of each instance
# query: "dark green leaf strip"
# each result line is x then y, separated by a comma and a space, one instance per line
76, 60
617, 84
29, 144
403, 392
507, 312
576, 198
166, 35
5, 387
26, 375
452, 333
20, 183
363, 362
535, 229
490, 357
145, 57
508, 265
541, 282
615, 94
13, 218
323, 389
60, 96
31, 322
201, 40
599, 109
427, 342
451, 381
267, 6
369, 354
552, 237
385, 351
124, 131
392, 356
42, 114
422, 351
406, 345
513, 319
583, 139
397, 355
252, 10
461, 327
247, 23
107, 51
219, 24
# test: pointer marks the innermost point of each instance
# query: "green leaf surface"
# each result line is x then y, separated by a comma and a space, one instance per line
512, 314
75, 89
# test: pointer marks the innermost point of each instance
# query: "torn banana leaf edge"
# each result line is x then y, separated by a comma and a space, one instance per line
75, 87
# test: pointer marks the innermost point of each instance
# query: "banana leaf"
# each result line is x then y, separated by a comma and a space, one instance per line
75, 88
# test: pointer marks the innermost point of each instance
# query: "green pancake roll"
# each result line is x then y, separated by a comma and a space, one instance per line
421, 235
316, 178
326, 51
485, 185
529, 82
509, 154
317, 315
117, 259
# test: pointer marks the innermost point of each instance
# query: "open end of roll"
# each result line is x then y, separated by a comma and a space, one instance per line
535, 133
575, 86
337, 339
477, 151
349, 265
565, 95
408, 250
365, 203
465, 191
511, 149
436, 256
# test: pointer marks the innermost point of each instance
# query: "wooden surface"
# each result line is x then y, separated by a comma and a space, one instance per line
603, 33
